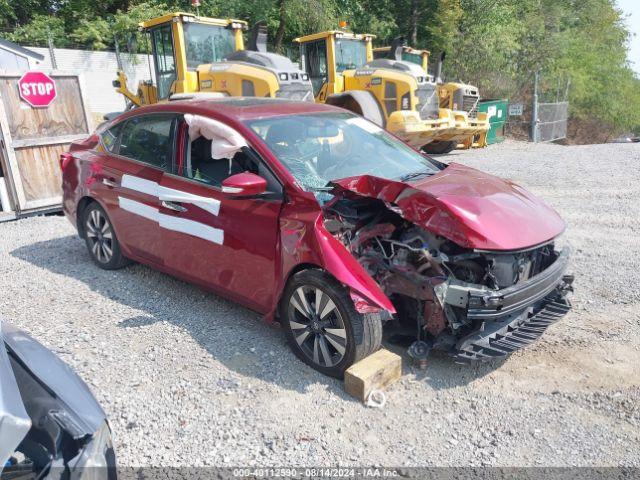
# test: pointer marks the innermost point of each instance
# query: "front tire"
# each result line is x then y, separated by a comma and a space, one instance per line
323, 327
101, 239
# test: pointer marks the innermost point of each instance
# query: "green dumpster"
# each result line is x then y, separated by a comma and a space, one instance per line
496, 110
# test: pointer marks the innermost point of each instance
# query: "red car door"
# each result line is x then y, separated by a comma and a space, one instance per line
222, 243
130, 181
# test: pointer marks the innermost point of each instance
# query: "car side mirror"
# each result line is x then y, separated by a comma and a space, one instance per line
244, 185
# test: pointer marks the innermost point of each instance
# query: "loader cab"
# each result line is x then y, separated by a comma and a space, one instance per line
326, 55
180, 42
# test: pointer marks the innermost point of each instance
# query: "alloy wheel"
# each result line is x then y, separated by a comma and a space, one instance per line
100, 236
317, 326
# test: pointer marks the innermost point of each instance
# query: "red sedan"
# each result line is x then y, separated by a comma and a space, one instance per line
312, 215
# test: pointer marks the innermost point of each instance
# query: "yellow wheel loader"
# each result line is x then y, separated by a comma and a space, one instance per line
392, 93
193, 54
461, 97
470, 127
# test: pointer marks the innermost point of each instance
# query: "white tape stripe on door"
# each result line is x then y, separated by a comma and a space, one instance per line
139, 209
190, 227
170, 222
139, 185
210, 205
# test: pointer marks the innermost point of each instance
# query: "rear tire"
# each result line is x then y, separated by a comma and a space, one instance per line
101, 239
439, 147
322, 326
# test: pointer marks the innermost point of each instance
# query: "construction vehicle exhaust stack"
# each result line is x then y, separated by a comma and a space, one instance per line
258, 40
438, 76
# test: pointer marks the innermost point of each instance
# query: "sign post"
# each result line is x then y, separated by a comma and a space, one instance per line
37, 89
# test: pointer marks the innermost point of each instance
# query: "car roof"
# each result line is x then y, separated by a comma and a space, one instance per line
241, 108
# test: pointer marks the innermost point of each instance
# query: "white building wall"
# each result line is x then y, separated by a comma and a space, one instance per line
98, 70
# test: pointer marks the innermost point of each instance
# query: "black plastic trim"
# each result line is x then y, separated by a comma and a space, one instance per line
517, 297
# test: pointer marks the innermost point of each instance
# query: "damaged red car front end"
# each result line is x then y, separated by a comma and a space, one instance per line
471, 259
465, 261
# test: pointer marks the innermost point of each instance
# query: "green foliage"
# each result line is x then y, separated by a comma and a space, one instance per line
299, 17
497, 45
124, 25
39, 30
20, 12
95, 34
443, 27
378, 17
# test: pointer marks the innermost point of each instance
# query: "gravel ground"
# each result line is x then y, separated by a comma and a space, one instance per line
188, 378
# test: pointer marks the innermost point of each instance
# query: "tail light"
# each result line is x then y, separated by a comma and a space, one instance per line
65, 158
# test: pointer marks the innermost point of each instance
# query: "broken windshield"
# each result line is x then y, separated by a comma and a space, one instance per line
319, 148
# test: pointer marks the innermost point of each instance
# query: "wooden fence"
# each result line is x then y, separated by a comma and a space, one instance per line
32, 140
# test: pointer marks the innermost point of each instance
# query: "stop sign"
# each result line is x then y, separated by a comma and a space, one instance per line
37, 89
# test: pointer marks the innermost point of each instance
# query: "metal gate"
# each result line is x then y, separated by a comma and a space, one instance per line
551, 123
549, 120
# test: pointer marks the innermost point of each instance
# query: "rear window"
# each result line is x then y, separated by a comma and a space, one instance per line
110, 138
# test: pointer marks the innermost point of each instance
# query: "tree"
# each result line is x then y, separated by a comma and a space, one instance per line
282, 19
443, 26
39, 30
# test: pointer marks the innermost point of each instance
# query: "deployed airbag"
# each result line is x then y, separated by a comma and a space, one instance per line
225, 141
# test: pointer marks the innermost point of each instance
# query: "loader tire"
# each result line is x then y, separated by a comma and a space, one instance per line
437, 148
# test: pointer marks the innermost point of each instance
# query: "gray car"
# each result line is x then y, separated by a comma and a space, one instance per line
51, 426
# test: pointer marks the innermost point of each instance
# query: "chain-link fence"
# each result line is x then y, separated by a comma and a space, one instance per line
551, 123
549, 119
539, 111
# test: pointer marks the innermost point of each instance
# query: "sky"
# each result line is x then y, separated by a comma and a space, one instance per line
632, 9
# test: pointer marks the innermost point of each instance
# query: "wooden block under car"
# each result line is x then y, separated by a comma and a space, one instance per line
374, 372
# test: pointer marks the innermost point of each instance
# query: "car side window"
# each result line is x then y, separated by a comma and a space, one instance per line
201, 166
149, 139
110, 138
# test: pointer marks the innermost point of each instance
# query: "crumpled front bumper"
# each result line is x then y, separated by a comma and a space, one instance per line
514, 317
501, 338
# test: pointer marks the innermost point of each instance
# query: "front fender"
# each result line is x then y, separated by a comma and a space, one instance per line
305, 243
346, 269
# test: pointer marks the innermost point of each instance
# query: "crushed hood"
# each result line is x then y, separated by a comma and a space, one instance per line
471, 208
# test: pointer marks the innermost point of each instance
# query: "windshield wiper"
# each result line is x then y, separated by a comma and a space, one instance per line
413, 175
327, 188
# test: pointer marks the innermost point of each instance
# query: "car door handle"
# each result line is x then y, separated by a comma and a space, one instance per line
173, 206
109, 182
